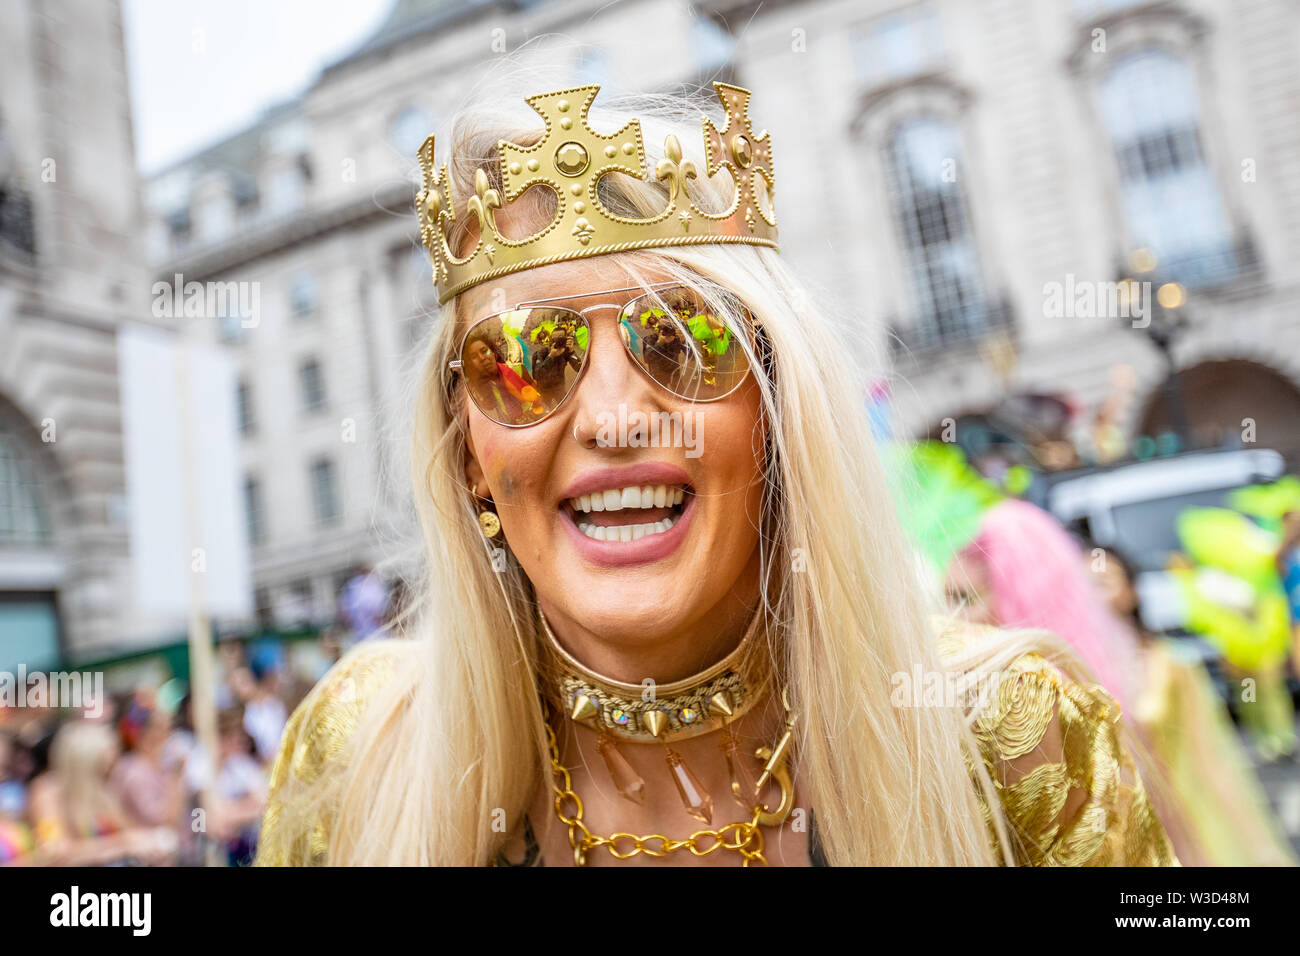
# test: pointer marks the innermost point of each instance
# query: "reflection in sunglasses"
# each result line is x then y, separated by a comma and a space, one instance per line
666, 339
521, 364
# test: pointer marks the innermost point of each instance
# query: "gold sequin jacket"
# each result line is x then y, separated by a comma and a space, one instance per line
1065, 777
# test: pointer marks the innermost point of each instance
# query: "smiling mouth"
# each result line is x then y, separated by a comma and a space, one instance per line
629, 513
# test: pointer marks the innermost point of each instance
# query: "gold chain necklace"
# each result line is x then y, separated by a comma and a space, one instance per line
743, 837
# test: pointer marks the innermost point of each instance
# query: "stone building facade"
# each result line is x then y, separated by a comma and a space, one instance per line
989, 158
71, 272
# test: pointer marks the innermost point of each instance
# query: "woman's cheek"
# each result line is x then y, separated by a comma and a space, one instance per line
491, 457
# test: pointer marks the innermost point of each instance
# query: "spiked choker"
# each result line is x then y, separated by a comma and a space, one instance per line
658, 713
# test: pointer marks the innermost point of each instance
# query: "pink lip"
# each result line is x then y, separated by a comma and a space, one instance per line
646, 473
618, 554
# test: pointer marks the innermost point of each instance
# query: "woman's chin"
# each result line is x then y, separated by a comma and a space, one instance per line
620, 623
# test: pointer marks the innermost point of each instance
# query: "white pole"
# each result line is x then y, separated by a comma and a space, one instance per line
203, 708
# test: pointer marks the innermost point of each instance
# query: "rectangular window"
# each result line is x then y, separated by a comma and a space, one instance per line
324, 491
312, 385
304, 296
30, 625
244, 397
938, 244
253, 511
265, 609
1172, 202
23, 520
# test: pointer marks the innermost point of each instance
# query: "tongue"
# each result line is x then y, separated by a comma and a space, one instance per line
608, 519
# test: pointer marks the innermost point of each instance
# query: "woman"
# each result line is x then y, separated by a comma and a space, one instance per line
493, 382
238, 793
76, 818
688, 643
1023, 570
148, 790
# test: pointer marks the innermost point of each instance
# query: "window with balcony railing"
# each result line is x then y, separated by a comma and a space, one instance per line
948, 301
325, 497
1171, 201
22, 517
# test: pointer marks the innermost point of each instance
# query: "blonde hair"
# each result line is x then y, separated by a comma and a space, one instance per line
458, 735
78, 756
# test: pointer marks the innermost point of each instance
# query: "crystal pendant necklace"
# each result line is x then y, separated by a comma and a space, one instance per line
663, 714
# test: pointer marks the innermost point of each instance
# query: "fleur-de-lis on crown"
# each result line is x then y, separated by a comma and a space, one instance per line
483, 202
673, 169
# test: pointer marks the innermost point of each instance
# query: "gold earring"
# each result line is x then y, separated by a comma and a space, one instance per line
489, 523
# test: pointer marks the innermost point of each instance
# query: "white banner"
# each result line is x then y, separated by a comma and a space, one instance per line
169, 385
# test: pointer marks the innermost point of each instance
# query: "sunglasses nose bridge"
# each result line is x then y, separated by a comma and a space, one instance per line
602, 305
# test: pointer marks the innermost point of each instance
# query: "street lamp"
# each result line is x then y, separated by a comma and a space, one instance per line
1166, 319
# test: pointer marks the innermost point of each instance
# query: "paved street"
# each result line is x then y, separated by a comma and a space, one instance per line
1282, 783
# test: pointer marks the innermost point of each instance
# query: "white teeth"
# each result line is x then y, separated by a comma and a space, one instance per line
625, 532
633, 496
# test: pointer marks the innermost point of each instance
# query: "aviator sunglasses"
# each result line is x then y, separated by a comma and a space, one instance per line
520, 365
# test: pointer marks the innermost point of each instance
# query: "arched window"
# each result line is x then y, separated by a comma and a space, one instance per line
931, 209
23, 520
1171, 201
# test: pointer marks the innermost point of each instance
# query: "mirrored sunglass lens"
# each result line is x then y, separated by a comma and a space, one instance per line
520, 365
684, 345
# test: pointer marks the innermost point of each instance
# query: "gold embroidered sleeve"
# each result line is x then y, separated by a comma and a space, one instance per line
1071, 793
296, 826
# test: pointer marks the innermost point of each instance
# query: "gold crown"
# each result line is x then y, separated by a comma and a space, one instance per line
571, 158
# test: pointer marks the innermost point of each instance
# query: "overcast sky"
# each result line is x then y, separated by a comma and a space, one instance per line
202, 69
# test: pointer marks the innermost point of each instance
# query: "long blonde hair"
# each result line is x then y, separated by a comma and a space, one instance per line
79, 757
458, 736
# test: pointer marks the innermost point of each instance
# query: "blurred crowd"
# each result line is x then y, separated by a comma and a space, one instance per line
125, 781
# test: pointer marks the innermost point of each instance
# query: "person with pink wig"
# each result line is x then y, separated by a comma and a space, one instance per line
1023, 570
